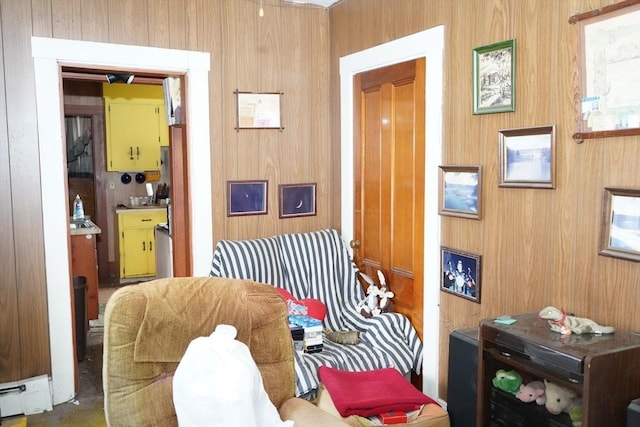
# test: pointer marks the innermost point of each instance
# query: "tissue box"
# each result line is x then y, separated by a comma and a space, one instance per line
312, 340
297, 334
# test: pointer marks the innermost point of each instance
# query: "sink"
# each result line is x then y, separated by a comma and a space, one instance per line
83, 226
82, 223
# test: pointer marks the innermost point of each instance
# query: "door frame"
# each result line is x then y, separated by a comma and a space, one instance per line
428, 44
48, 55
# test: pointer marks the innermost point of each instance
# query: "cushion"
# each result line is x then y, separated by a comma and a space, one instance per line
315, 307
368, 393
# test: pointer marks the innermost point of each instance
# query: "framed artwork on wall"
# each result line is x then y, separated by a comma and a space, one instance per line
246, 198
460, 274
527, 157
258, 110
460, 191
494, 74
607, 98
297, 200
620, 230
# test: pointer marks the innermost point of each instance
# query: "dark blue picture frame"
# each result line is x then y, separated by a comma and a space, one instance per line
247, 197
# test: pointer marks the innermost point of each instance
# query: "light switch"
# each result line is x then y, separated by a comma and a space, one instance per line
112, 185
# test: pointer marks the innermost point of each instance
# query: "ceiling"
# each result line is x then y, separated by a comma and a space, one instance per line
323, 3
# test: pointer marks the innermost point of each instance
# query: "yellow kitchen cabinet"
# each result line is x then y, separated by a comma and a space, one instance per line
137, 241
136, 126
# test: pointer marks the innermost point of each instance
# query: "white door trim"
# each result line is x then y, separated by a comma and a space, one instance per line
48, 54
430, 45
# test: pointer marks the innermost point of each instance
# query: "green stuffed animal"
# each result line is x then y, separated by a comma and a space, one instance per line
508, 381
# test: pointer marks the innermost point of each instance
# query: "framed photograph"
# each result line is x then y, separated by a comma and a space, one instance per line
258, 111
494, 74
297, 200
246, 198
620, 231
527, 157
460, 188
607, 98
460, 274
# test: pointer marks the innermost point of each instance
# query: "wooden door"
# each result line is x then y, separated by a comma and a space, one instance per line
389, 158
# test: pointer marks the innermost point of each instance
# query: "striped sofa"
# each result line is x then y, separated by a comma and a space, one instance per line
318, 265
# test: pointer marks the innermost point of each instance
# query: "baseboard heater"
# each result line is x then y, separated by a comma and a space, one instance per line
25, 397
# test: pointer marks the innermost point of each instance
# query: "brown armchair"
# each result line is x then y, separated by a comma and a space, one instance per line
149, 326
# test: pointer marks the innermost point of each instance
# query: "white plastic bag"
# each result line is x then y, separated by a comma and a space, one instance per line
217, 384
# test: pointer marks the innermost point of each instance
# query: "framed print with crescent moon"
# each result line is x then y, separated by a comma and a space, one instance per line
297, 200
247, 198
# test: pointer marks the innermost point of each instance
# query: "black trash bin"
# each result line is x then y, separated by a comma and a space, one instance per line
80, 297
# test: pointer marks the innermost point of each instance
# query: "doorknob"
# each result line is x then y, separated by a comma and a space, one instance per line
355, 244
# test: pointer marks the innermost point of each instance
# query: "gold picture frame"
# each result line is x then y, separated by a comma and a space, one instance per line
258, 110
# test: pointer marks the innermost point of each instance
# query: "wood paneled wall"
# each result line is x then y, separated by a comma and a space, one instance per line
539, 247
284, 51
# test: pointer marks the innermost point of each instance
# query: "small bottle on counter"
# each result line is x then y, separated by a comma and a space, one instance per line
78, 208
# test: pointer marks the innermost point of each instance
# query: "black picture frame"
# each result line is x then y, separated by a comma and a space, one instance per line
494, 78
527, 157
297, 200
460, 273
620, 230
460, 192
247, 197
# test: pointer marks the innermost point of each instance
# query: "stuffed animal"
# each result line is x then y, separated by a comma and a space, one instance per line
377, 300
532, 392
370, 302
561, 399
509, 381
384, 294
560, 321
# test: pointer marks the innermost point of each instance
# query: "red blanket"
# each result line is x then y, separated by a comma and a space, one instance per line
370, 393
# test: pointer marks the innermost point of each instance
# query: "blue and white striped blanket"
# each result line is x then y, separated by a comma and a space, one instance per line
318, 265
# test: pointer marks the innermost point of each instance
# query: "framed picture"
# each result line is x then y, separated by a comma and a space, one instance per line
297, 200
246, 198
460, 274
620, 231
494, 73
607, 101
258, 111
527, 157
460, 188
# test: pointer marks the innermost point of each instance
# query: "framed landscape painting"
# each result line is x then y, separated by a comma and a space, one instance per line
460, 188
494, 71
620, 231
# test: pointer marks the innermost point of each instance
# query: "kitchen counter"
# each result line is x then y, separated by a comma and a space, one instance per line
153, 208
83, 227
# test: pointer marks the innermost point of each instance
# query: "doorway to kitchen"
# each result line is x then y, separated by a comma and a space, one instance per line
103, 189
49, 55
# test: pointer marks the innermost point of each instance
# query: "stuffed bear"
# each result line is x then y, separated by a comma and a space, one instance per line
532, 392
509, 381
561, 399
